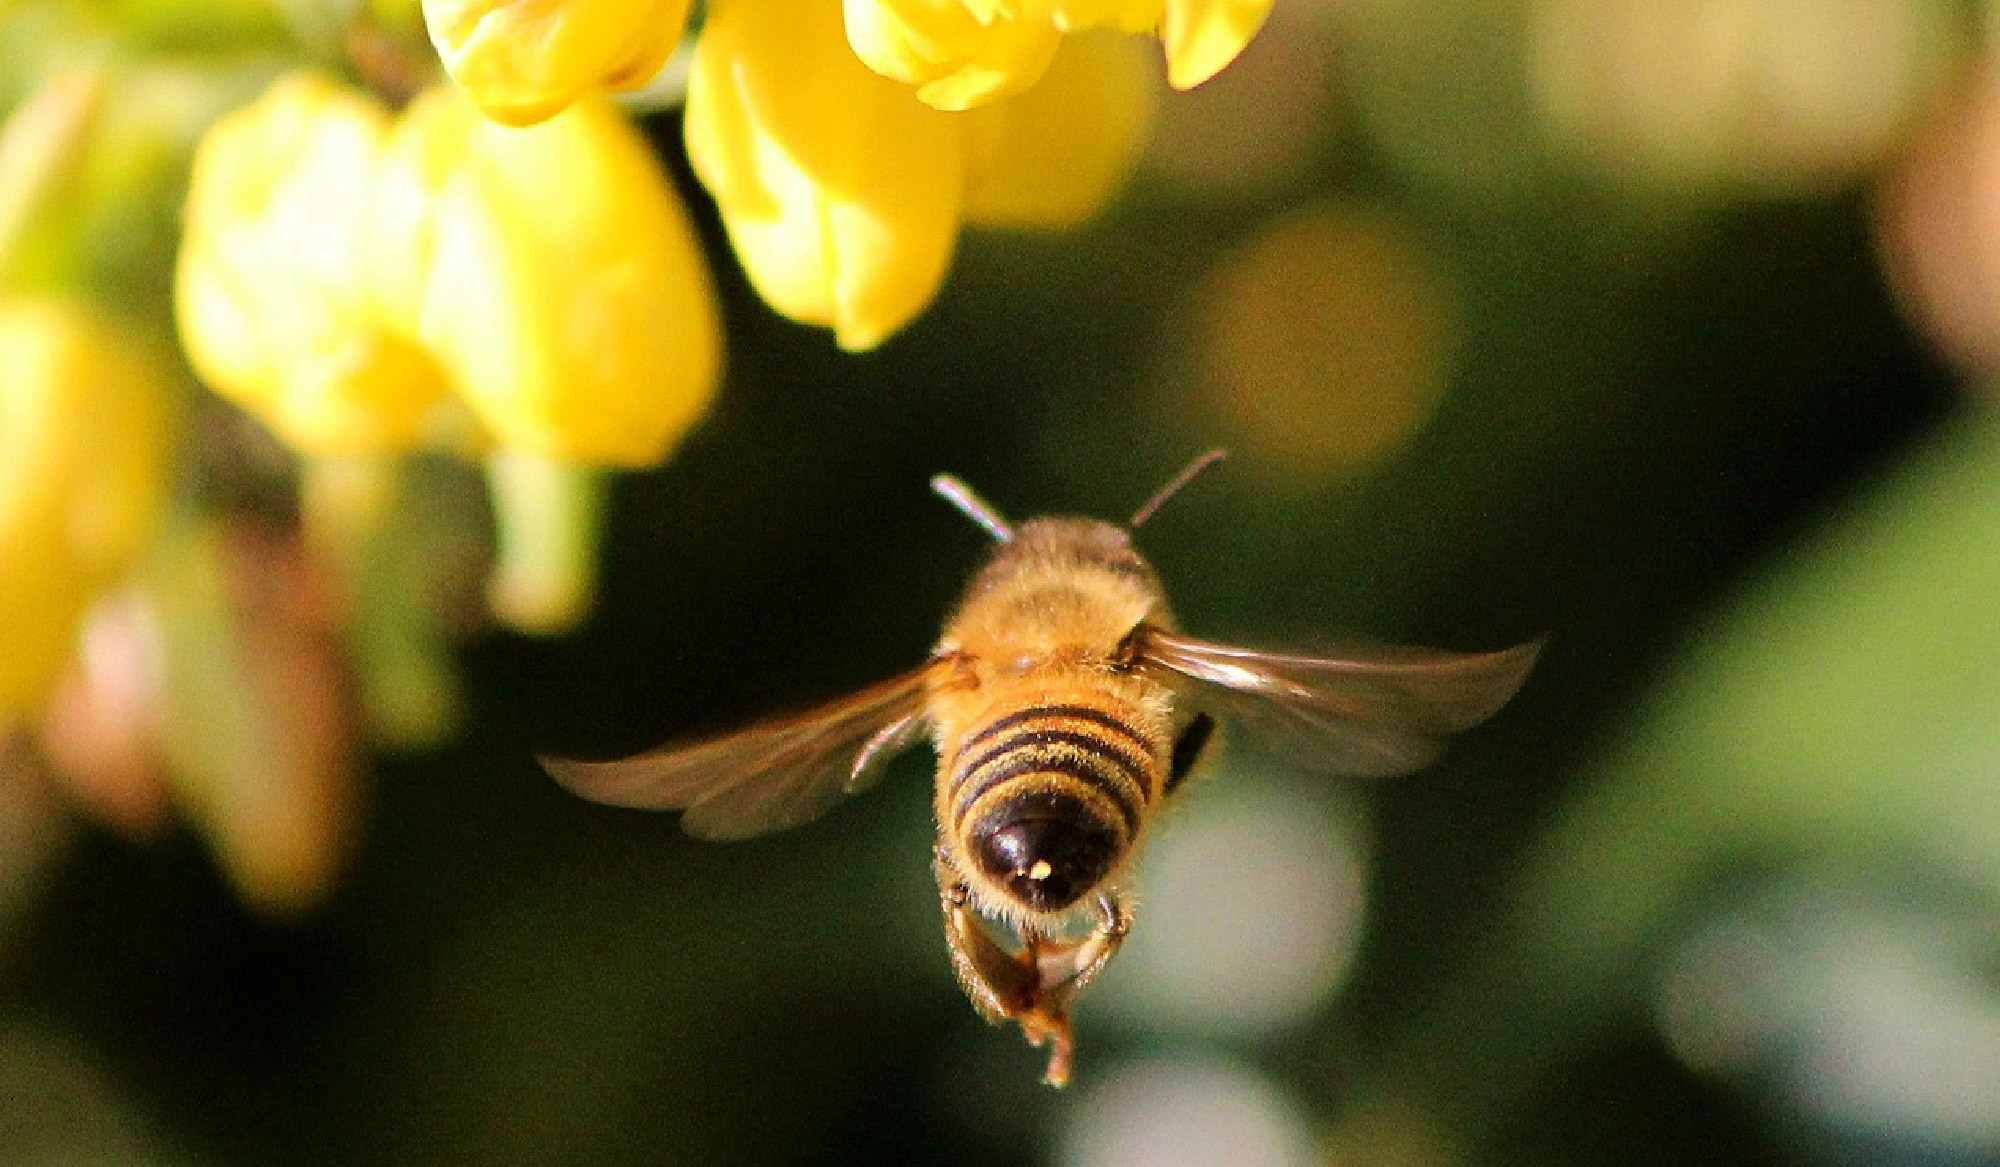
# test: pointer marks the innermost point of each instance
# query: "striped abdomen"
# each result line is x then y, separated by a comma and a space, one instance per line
1047, 799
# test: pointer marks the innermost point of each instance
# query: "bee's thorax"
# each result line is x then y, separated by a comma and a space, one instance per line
1063, 591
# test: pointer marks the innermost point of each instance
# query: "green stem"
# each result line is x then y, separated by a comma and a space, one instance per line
547, 516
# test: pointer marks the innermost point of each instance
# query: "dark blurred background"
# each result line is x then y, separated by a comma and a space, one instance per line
1534, 319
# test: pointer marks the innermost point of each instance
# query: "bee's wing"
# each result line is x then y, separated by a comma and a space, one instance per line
1371, 712
768, 777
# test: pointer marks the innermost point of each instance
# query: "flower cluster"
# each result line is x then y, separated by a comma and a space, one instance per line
844, 199
846, 145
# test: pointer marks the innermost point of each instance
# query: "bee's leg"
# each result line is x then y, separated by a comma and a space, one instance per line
1035, 985
1068, 970
1048, 1024
1011, 986
1061, 971
1001, 984
1188, 749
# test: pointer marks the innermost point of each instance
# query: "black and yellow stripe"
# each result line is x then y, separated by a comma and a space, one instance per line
1072, 758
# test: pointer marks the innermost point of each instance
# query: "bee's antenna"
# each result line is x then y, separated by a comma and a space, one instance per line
1187, 475
973, 507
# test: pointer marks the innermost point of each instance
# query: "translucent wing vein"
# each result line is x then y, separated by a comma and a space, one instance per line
1371, 712
767, 777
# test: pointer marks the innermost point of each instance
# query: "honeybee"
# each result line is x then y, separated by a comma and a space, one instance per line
1065, 708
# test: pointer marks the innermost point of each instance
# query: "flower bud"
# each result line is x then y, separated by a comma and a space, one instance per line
1203, 36
271, 291
551, 273
258, 730
83, 469
43, 144
521, 61
955, 60
839, 189
963, 53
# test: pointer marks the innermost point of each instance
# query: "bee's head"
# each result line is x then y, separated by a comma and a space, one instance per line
1046, 861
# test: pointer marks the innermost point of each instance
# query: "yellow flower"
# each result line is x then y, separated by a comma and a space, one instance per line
1032, 161
552, 274
344, 275
840, 190
521, 61
83, 468
962, 53
955, 59
271, 292
1201, 37
843, 193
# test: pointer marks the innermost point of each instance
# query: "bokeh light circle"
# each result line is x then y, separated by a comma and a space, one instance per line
1938, 226
1779, 95
1251, 914
1185, 1112
1325, 339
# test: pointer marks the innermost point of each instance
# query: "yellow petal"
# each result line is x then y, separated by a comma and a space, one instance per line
520, 61
955, 61
83, 472
839, 189
1127, 16
1203, 36
552, 273
1011, 59
1053, 156
270, 288
907, 40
